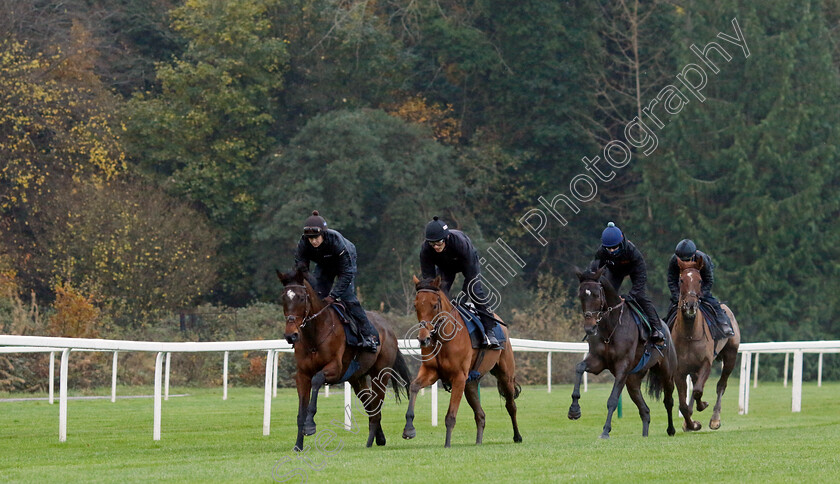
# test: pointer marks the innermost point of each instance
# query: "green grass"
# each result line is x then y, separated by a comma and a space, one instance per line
207, 439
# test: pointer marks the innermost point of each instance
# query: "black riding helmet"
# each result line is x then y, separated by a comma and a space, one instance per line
685, 250
315, 225
436, 230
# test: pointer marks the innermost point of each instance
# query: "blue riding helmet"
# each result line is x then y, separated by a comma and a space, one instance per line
611, 236
685, 250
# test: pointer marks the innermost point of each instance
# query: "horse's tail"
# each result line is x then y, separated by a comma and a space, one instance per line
666, 367
404, 380
654, 385
517, 389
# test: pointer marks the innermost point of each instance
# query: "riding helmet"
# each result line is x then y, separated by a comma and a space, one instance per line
436, 230
685, 249
314, 225
611, 236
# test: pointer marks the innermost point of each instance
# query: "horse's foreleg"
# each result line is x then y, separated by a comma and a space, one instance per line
304, 383
471, 393
699, 383
591, 366
425, 377
728, 365
309, 423
612, 402
668, 398
458, 385
634, 384
685, 406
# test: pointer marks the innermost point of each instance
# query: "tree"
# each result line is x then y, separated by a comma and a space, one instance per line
203, 134
375, 178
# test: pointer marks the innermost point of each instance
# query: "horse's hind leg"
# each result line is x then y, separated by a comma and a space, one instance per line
634, 383
729, 357
309, 424
612, 402
506, 383
471, 393
372, 400
425, 377
685, 406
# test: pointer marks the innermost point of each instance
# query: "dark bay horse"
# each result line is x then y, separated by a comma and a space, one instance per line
615, 345
696, 350
448, 355
322, 356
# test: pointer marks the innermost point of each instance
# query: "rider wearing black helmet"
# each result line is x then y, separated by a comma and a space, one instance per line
446, 252
686, 250
335, 257
623, 259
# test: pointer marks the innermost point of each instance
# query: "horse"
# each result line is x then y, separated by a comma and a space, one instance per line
696, 350
322, 356
615, 345
448, 355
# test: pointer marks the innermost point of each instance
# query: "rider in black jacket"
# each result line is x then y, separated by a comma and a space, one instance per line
446, 252
335, 257
686, 250
623, 259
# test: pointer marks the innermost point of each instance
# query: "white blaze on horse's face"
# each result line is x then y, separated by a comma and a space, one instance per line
290, 294
588, 292
690, 276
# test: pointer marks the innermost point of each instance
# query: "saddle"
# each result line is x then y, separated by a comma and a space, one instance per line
708, 313
639, 317
349, 323
476, 328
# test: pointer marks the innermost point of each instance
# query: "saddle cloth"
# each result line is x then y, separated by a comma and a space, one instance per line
476, 329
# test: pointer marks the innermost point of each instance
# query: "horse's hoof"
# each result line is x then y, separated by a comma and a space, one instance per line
409, 434
714, 424
671, 431
697, 426
574, 414
702, 406
309, 430
605, 436
517, 439
380, 442
296, 449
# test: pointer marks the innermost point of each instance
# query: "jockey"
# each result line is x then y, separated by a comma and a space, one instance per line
336, 259
447, 252
686, 250
623, 259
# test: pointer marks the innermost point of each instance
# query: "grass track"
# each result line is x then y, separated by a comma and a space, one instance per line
207, 439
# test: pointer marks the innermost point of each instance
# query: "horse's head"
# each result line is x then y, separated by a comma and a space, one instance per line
690, 286
592, 299
297, 305
429, 305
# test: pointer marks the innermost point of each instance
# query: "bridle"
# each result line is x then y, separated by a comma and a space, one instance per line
307, 317
438, 309
601, 313
689, 294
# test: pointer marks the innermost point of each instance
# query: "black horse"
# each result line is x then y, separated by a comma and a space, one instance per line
615, 345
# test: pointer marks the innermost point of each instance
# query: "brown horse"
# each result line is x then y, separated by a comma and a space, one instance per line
448, 355
696, 350
615, 345
322, 356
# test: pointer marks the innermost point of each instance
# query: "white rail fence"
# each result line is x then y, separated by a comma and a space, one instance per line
53, 345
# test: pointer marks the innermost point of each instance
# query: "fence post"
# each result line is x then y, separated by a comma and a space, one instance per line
158, 371
52, 375
347, 407
276, 367
796, 404
787, 357
755, 371
548, 371
114, 378
743, 383
819, 371
62, 397
166, 380
225, 376
267, 400
434, 404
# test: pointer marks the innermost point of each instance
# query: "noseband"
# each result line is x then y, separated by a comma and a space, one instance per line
307, 317
602, 300
438, 308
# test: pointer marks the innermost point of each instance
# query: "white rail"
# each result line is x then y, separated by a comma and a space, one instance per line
33, 344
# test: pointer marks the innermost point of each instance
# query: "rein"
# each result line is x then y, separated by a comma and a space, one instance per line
605, 312
438, 310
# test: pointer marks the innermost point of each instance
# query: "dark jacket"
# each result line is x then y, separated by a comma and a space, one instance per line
629, 262
459, 255
707, 273
334, 259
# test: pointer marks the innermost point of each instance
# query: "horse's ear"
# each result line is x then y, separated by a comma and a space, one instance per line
436, 282
284, 278
600, 272
578, 273
700, 262
683, 264
416, 281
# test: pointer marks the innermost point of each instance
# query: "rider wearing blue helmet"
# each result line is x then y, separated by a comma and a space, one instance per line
622, 259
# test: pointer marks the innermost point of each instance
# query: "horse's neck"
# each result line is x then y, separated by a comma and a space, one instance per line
447, 307
611, 296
